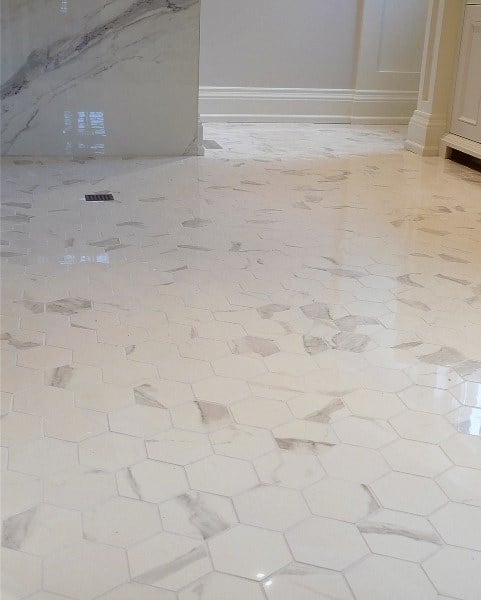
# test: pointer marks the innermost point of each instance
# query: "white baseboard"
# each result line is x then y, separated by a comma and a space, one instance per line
304, 105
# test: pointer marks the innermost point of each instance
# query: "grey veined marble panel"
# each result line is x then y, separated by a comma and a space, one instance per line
99, 77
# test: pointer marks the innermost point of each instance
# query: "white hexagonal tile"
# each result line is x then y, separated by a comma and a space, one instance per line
178, 446
428, 399
168, 561
79, 488
19, 492
18, 428
128, 591
249, 552
261, 412
459, 525
21, 574
240, 441
400, 580
45, 357
422, 427
400, 535
75, 424
221, 475
111, 451
184, 370
42, 529
466, 419
340, 499
290, 469
221, 390
152, 481
271, 507
220, 585
373, 404
326, 543
103, 397
43, 457
416, 458
200, 416
305, 582
43, 400
468, 393
290, 364
197, 514
139, 420
464, 450
456, 572
354, 463
203, 349
408, 493
462, 485
65, 571
362, 431
163, 393
318, 408
121, 522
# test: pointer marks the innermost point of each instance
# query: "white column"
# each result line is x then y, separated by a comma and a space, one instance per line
430, 120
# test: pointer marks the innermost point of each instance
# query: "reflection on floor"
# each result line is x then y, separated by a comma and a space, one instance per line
254, 375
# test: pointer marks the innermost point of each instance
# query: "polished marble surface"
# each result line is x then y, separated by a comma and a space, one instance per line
254, 375
91, 79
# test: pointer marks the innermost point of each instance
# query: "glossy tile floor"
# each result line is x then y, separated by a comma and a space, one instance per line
254, 375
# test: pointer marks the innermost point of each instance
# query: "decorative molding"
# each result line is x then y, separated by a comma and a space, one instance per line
308, 105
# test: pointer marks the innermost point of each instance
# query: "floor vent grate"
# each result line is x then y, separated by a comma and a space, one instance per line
99, 197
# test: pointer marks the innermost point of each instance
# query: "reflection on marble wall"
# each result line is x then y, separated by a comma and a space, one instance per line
99, 78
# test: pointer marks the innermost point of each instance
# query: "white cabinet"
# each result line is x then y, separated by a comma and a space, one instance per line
466, 114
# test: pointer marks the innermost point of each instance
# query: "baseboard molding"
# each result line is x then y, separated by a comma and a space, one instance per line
304, 105
452, 141
424, 133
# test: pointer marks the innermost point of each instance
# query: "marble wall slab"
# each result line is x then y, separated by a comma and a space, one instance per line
99, 77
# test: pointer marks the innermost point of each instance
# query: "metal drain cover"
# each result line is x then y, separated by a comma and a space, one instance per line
99, 197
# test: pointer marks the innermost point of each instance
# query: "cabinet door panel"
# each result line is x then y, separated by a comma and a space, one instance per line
466, 119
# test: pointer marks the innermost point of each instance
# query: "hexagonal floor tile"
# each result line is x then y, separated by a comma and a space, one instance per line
43, 457
326, 543
416, 458
249, 552
340, 499
45, 357
185, 370
354, 463
137, 591
422, 427
428, 399
408, 493
464, 450
241, 441
221, 475
42, 529
373, 404
200, 416
111, 451
221, 390
291, 469
80, 488
456, 572
21, 574
152, 481
121, 522
65, 571
18, 428
261, 412
466, 419
305, 582
244, 367
379, 577
468, 393
360, 431
219, 585
75, 424
271, 507
318, 408
19, 492
168, 561
400, 535
103, 397
179, 447
197, 514
462, 485
139, 420
459, 525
